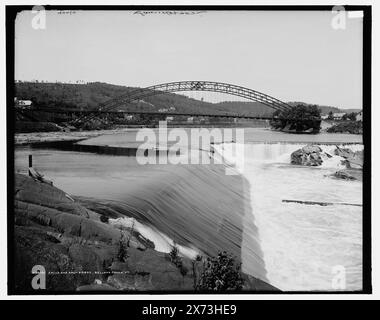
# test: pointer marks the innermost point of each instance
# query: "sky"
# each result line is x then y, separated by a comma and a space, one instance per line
290, 55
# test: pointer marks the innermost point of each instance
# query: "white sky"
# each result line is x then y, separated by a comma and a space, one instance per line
293, 56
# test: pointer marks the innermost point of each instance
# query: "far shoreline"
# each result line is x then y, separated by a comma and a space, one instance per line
33, 138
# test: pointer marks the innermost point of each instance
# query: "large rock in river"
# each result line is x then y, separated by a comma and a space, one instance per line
353, 160
309, 155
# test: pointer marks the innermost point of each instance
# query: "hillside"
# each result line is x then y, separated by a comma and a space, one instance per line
92, 95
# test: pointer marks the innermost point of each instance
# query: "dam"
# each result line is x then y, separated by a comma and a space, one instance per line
198, 207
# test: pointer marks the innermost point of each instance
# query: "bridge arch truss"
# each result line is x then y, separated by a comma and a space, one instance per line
211, 86
178, 86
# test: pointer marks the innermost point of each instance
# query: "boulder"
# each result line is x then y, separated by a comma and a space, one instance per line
309, 155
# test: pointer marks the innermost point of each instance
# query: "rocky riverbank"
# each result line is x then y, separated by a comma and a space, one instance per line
353, 127
85, 250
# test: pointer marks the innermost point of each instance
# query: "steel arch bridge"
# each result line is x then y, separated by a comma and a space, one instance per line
179, 86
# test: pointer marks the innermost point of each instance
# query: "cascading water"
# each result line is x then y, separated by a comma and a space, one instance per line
302, 244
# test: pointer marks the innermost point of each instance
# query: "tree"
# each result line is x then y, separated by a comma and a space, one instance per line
349, 116
352, 116
220, 273
331, 116
298, 118
104, 219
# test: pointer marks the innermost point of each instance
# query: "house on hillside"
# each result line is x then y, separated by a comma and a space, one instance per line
23, 104
359, 116
338, 115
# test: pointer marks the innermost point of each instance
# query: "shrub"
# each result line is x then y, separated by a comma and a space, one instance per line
349, 116
122, 253
220, 273
174, 254
104, 219
176, 260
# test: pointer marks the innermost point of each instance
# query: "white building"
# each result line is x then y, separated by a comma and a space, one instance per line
338, 115
23, 103
359, 116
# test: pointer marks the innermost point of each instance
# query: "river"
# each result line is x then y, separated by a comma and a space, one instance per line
291, 246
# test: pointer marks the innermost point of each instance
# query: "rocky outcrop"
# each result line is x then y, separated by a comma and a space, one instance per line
79, 250
310, 155
353, 162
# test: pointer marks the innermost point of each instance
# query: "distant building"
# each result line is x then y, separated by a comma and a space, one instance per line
169, 119
338, 115
324, 116
24, 104
128, 116
359, 116
166, 109
190, 119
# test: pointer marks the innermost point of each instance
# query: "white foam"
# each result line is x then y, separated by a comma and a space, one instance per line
301, 244
162, 242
